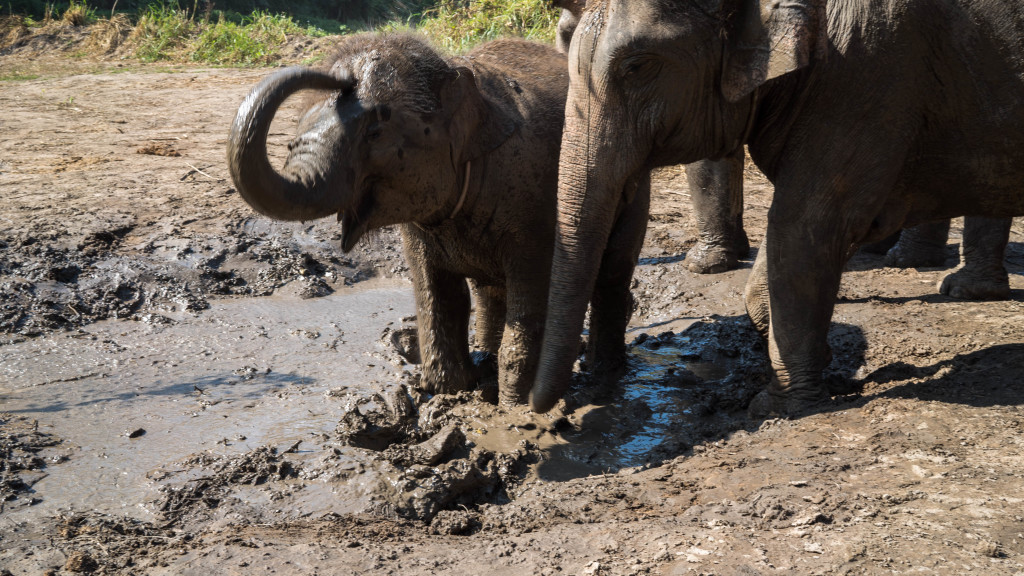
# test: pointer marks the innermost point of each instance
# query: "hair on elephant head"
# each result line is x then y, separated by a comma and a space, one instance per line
383, 137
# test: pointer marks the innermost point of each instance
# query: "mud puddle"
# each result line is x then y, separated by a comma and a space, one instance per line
281, 408
131, 397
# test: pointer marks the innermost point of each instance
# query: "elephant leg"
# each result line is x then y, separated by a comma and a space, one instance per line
921, 245
490, 317
442, 307
755, 295
716, 187
801, 301
983, 276
520, 347
612, 302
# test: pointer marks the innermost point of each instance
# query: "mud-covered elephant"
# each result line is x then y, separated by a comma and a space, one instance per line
463, 154
867, 116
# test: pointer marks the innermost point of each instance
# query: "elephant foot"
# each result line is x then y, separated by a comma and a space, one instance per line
778, 403
901, 256
967, 284
711, 259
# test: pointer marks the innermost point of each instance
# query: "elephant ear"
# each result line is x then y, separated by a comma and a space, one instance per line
769, 38
476, 125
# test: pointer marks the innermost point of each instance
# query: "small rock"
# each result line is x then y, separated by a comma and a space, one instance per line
81, 562
990, 549
135, 433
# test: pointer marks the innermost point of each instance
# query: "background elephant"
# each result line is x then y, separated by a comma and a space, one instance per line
867, 116
983, 275
463, 153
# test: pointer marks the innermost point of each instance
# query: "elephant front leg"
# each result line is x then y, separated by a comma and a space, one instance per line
519, 352
442, 306
983, 275
612, 303
803, 262
921, 245
716, 187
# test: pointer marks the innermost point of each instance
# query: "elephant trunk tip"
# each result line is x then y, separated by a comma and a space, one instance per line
542, 401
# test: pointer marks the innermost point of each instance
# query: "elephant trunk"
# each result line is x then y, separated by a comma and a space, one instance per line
586, 214
300, 191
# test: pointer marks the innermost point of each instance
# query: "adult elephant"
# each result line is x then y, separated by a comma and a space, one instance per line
716, 186
866, 115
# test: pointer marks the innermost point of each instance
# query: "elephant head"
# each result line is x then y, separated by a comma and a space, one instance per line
385, 137
653, 83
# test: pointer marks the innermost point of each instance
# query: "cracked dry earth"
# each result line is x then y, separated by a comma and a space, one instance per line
187, 388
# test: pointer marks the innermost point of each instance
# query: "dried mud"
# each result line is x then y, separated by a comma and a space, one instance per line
189, 388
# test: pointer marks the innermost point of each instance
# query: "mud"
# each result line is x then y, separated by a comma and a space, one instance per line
189, 388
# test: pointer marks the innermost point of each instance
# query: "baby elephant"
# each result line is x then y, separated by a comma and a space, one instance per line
463, 154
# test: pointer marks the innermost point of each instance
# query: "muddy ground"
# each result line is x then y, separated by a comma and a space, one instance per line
188, 388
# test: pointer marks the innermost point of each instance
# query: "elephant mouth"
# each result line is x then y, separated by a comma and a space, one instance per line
355, 221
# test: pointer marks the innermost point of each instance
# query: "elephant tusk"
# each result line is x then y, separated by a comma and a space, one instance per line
465, 189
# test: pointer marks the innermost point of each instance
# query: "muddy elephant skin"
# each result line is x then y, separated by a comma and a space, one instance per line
867, 116
461, 153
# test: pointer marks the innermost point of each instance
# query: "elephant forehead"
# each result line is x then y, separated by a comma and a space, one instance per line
384, 77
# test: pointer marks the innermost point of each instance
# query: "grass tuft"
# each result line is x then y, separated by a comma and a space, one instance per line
79, 14
458, 25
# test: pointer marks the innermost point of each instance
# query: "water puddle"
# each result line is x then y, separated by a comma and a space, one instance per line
128, 397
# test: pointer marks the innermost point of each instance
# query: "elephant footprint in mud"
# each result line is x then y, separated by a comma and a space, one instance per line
461, 153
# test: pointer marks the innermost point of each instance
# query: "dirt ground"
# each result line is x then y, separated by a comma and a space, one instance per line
123, 246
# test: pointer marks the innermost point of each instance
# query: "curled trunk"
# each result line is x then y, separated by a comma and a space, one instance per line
301, 190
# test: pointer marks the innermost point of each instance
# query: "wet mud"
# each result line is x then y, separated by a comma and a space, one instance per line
187, 388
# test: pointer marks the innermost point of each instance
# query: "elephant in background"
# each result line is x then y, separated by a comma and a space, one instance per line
462, 153
867, 116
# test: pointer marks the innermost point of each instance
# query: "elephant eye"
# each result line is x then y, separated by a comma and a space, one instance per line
639, 65
373, 132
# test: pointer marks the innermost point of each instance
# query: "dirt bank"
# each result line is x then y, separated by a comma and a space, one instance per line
190, 388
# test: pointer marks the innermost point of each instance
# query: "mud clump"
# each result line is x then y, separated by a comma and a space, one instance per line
197, 497
99, 543
389, 418
421, 492
21, 463
433, 468
112, 267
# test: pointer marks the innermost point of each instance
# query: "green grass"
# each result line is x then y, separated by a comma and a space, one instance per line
253, 42
167, 31
17, 77
162, 32
457, 25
